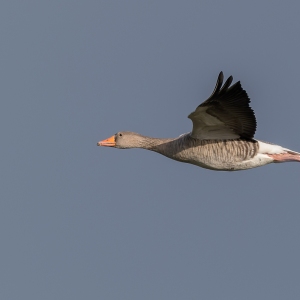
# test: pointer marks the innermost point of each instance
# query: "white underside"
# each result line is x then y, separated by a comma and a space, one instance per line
265, 148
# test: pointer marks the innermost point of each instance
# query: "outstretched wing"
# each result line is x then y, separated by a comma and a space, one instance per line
226, 114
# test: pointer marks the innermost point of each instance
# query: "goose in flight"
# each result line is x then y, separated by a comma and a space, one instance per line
222, 137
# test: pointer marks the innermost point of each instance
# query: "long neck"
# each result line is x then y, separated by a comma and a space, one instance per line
150, 143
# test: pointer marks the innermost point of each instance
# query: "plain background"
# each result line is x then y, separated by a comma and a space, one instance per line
82, 222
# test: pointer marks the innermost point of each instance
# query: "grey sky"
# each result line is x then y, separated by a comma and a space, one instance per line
82, 222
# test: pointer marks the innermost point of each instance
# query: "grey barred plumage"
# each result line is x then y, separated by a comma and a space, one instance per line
212, 154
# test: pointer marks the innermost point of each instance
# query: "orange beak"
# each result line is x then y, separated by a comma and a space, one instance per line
110, 142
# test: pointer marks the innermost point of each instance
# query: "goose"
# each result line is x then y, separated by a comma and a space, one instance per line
222, 137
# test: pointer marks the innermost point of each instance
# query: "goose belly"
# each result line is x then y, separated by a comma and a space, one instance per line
223, 165
229, 155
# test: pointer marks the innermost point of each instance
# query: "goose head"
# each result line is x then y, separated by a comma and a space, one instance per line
123, 140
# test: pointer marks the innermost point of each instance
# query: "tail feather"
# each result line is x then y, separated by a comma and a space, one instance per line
291, 151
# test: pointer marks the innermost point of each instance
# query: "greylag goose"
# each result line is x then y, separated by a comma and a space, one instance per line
222, 137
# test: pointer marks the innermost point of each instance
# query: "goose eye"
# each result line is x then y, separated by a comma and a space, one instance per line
120, 134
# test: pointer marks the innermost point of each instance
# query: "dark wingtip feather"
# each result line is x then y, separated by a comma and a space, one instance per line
219, 89
226, 84
218, 85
